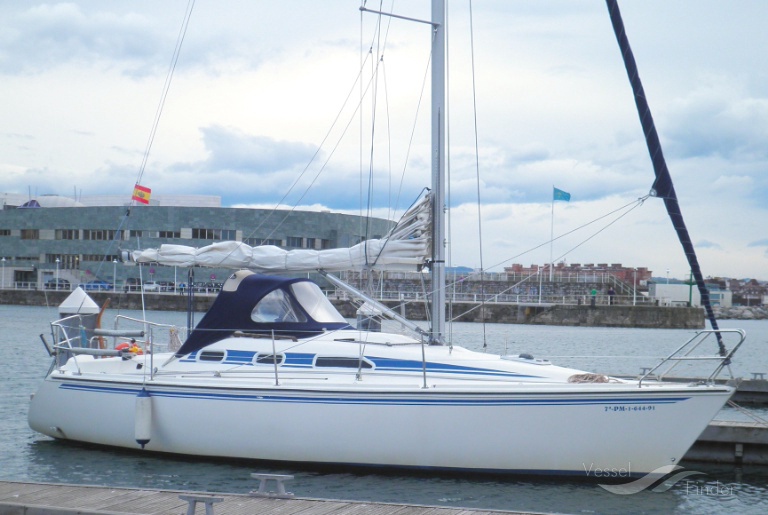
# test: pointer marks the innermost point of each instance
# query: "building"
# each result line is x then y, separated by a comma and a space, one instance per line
79, 241
640, 276
683, 294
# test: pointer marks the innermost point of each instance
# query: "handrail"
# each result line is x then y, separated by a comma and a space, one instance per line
63, 341
118, 333
685, 351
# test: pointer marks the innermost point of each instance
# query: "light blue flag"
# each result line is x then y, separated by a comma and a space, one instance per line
561, 195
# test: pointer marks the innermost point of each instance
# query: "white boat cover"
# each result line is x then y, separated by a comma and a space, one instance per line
407, 246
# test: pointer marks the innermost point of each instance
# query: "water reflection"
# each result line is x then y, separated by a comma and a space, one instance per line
719, 488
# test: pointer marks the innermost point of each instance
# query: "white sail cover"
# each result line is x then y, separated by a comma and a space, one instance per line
407, 246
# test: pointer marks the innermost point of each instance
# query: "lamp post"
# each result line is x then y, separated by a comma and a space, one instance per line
114, 275
690, 290
634, 286
538, 271
57, 272
3, 260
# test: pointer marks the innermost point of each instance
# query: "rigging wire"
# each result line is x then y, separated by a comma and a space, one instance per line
477, 172
312, 159
358, 82
314, 156
156, 122
365, 89
628, 207
322, 168
634, 204
390, 210
166, 87
123, 224
413, 130
374, 104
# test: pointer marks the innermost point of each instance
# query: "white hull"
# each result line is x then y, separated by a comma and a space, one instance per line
520, 427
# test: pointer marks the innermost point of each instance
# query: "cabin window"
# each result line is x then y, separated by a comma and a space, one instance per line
269, 359
315, 303
276, 306
211, 355
342, 362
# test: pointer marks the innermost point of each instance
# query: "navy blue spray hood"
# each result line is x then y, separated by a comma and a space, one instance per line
231, 311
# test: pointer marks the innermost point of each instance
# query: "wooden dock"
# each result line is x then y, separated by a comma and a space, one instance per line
17, 498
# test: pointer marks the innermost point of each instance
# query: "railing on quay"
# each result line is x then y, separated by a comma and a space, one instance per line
527, 299
601, 299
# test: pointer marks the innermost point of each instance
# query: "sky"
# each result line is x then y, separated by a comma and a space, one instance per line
265, 108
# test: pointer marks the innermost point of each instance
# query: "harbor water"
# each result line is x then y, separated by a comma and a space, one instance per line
28, 456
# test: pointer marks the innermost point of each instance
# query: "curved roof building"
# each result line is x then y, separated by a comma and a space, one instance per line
78, 240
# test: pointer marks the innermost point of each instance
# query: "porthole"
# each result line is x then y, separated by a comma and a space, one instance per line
342, 362
211, 355
269, 359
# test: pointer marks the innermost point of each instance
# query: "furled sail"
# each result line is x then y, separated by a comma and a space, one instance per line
662, 186
406, 247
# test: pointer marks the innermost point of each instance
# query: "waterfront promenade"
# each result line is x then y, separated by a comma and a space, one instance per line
493, 311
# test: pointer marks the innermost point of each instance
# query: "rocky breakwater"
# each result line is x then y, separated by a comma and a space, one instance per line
741, 313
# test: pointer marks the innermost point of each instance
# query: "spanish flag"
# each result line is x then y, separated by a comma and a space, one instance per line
141, 194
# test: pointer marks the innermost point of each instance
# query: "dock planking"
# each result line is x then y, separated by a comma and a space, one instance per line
62, 499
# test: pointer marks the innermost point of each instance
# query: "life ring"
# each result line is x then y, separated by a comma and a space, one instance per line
123, 346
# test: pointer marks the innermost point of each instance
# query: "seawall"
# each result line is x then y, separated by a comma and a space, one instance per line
504, 313
568, 315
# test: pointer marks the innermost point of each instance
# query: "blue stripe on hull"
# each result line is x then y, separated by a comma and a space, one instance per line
304, 360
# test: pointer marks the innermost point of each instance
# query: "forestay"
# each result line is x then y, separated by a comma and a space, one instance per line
407, 246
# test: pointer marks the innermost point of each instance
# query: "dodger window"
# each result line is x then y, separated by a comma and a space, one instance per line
317, 305
276, 306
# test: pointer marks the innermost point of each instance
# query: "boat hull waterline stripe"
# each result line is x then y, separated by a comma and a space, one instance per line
395, 401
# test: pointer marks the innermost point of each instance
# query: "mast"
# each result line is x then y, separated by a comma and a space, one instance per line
437, 260
437, 268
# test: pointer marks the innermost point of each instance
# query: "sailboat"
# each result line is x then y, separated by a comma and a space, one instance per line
273, 372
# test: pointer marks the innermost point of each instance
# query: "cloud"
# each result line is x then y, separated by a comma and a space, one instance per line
50, 35
719, 119
257, 87
705, 244
233, 150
